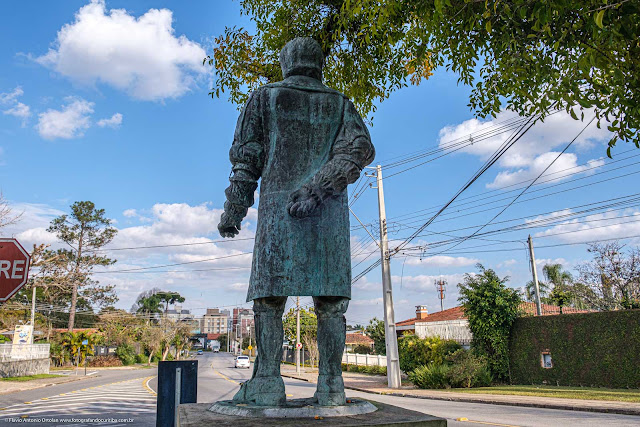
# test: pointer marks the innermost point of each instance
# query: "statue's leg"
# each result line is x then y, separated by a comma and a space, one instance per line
266, 388
331, 337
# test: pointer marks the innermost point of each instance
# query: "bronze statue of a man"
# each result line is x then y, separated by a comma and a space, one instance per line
307, 142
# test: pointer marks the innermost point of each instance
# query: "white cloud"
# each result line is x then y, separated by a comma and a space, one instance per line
534, 151
507, 263
114, 122
19, 110
130, 213
141, 56
538, 165
609, 225
69, 122
443, 261
8, 98
16, 108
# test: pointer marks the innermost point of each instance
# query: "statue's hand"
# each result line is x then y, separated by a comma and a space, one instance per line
301, 203
229, 225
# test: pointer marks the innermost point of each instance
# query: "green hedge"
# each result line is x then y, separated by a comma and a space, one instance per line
587, 349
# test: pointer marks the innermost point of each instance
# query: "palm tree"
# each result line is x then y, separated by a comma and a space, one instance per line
555, 274
530, 290
149, 306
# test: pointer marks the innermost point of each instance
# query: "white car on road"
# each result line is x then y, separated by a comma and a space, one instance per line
243, 362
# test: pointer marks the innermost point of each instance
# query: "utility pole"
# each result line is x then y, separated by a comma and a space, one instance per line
535, 276
441, 286
33, 312
390, 335
297, 335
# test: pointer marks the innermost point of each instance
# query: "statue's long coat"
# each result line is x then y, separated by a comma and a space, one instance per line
293, 133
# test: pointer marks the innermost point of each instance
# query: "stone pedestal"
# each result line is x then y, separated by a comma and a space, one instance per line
298, 413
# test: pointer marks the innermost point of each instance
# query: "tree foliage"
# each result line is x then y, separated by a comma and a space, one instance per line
491, 308
611, 280
534, 56
85, 231
375, 331
308, 324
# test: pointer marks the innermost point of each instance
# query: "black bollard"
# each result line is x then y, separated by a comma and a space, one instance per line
177, 383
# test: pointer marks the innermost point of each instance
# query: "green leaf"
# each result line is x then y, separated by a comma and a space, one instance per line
573, 114
488, 26
598, 18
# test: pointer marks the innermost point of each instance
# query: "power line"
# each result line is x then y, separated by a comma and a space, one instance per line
525, 189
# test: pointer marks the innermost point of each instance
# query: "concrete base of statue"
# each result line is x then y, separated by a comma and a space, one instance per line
356, 412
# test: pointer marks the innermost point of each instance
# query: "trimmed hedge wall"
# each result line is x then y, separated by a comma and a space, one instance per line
587, 349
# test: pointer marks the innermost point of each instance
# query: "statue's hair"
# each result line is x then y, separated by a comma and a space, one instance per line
302, 56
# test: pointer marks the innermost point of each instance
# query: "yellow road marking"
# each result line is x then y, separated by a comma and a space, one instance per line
225, 377
289, 395
24, 416
27, 403
45, 398
3, 409
145, 383
485, 422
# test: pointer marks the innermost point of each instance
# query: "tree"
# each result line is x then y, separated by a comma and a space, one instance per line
311, 345
224, 341
308, 324
85, 231
7, 217
375, 331
169, 298
152, 339
536, 56
611, 280
491, 308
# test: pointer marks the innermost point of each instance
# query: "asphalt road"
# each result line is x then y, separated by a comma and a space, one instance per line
127, 398
218, 380
107, 398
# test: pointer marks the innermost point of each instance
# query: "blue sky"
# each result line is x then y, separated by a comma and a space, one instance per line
108, 102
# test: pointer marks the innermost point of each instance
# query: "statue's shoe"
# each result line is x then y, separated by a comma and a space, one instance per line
262, 391
330, 391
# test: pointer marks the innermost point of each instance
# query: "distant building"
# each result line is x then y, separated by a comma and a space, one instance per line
356, 339
452, 323
178, 314
214, 321
242, 319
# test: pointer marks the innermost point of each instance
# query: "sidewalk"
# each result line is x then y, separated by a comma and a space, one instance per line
377, 384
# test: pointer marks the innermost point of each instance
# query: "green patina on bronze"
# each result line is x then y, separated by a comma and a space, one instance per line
306, 142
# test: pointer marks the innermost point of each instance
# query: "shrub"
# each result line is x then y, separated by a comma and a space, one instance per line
362, 349
126, 353
467, 370
491, 308
141, 358
415, 351
104, 361
432, 375
374, 370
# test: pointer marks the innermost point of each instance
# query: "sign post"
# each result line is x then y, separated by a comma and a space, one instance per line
14, 268
85, 343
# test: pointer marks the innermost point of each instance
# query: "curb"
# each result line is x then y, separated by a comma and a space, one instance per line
597, 409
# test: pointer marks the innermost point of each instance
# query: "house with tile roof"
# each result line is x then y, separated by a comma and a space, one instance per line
356, 339
452, 323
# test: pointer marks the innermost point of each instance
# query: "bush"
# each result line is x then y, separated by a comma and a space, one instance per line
467, 370
104, 361
141, 358
432, 375
374, 370
126, 353
362, 349
415, 351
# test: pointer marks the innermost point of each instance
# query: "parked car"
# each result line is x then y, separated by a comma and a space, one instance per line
243, 362
216, 349
199, 351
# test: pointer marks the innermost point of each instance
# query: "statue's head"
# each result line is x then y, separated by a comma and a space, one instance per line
302, 56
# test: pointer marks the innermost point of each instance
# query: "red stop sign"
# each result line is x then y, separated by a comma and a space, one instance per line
14, 268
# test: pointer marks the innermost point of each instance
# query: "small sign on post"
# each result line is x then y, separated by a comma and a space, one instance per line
177, 383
